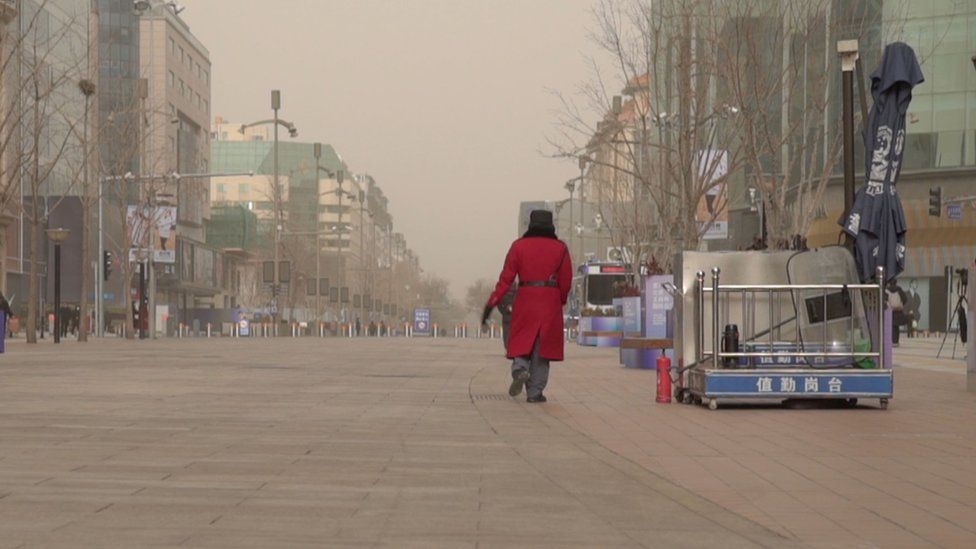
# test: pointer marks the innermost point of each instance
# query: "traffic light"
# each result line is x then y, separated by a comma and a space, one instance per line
935, 201
106, 265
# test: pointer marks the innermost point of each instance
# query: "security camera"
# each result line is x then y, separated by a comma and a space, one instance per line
141, 5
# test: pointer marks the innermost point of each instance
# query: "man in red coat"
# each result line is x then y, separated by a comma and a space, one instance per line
545, 272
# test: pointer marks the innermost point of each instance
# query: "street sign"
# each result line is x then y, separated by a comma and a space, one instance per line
954, 211
421, 321
244, 327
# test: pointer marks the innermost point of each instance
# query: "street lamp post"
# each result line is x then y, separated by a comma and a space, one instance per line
582, 168
362, 257
317, 148
276, 228
58, 236
276, 194
341, 274
571, 187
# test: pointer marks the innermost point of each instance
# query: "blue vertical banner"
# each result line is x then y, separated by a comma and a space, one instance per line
658, 306
421, 322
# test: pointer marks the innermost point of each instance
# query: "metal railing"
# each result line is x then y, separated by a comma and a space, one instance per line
749, 293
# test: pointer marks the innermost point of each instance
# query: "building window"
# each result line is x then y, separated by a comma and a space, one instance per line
172, 46
221, 188
242, 188
171, 79
182, 88
206, 105
182, 55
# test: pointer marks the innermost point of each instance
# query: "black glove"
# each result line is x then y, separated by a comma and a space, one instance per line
485, 314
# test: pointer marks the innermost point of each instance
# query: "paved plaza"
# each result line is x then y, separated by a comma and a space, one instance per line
400, 443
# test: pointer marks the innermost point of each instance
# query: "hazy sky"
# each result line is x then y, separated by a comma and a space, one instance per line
444, 102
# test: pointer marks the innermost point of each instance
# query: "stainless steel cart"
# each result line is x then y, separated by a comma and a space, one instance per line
815, 363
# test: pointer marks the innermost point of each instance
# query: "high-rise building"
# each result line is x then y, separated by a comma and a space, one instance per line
45, 59
940, 150
342, 232
175, 66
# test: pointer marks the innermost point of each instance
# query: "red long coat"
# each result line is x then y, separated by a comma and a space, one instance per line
538, 311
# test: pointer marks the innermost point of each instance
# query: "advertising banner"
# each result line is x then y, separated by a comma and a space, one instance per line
658, 307
155, 228
712, 167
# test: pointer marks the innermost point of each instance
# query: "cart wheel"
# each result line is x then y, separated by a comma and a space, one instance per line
884, 404
713, 404
852, 402
696, 399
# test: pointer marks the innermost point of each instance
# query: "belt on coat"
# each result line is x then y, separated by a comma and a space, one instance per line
538, 283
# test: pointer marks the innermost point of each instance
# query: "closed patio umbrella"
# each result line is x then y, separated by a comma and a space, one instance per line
876, 220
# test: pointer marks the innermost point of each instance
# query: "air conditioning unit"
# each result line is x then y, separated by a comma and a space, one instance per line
619, 254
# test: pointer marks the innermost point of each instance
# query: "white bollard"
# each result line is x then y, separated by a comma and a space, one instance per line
208, 329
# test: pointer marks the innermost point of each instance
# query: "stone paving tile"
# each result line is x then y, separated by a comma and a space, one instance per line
906, 473
317, 443
414, 444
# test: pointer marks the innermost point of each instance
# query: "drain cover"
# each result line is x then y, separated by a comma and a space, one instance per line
490, 397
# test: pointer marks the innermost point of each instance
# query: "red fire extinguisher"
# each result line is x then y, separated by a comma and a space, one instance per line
663, 379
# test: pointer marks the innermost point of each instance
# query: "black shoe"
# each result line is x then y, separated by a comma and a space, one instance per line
540, 398
518, 381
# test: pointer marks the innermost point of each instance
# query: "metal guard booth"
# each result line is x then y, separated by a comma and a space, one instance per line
820, 338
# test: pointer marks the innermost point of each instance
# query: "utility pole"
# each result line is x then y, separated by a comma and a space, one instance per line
847, 49
362, 257
317, 149
341, 274
276, 227
582, 168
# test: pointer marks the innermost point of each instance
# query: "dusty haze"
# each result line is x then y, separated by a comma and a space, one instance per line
445, 102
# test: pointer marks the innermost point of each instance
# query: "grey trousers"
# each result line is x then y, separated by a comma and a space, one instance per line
538, 368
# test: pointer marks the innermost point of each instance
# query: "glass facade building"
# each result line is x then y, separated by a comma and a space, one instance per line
942, 116
118, 94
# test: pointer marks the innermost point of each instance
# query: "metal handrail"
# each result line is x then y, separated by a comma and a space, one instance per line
716, 289
793, 287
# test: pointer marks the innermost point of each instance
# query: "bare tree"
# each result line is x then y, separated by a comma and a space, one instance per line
477, 294
713, 92
132, 198
653, 155
781, 69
